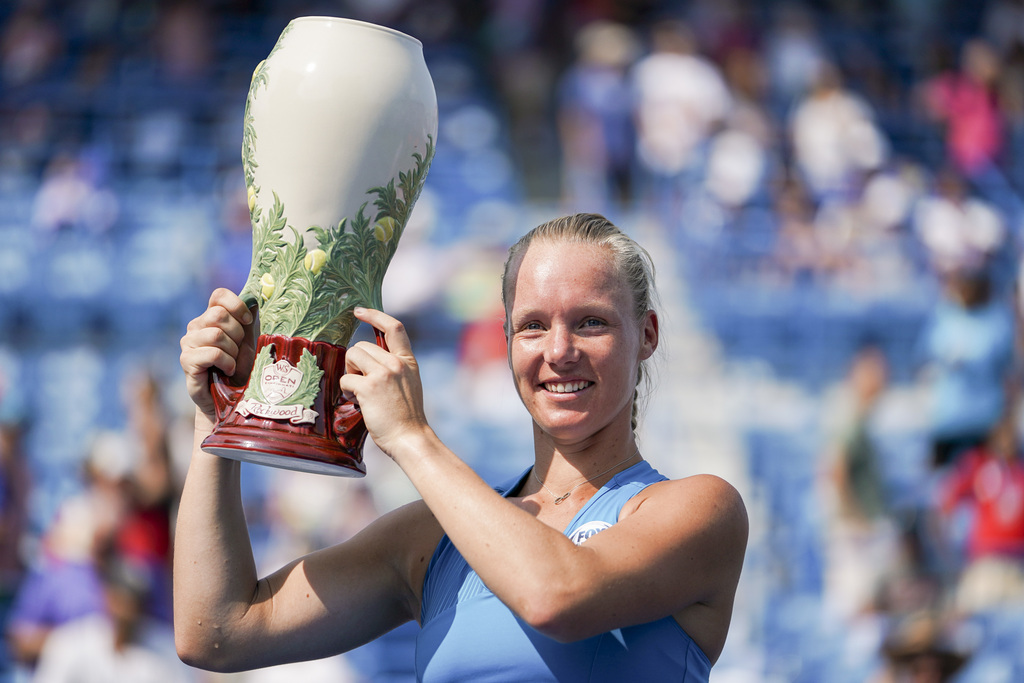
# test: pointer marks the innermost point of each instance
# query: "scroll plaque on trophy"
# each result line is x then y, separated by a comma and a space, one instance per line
339, 130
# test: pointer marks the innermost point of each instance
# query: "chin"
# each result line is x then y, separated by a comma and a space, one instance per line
569, 431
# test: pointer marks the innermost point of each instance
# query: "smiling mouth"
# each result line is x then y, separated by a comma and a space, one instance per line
566, 387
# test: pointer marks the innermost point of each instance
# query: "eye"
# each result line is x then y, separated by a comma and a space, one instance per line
593, 322
532, 325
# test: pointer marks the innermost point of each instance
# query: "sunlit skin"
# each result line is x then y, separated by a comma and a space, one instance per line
575, 348
571, 324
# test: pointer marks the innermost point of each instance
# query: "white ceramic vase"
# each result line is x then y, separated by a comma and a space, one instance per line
339, 131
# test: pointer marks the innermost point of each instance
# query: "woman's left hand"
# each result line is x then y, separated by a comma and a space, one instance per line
385, 383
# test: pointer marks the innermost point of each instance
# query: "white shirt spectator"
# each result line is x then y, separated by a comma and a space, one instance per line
955, 232
835, 138
82, 651
679, 99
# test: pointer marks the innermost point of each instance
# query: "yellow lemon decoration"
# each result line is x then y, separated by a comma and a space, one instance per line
385, 228
251, 197
267, 285
315, 260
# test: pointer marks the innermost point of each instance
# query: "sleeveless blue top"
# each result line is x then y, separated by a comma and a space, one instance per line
468, 634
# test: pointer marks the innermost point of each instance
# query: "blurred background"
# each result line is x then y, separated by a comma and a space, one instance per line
831, 190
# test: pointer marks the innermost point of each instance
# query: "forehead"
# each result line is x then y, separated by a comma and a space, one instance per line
568, 269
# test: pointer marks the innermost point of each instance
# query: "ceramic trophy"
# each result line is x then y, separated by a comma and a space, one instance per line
338, 136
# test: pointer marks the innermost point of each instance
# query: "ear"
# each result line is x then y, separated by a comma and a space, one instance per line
649, 340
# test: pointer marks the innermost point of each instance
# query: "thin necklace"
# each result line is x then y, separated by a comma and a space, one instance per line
561, 498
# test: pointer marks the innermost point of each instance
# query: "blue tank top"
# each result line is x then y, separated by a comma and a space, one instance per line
468, 634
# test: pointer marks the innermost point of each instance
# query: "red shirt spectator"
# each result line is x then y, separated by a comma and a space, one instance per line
995, 484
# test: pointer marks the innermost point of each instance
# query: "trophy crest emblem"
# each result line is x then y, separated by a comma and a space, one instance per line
279, 381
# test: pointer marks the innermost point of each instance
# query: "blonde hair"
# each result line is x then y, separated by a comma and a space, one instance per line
633, 263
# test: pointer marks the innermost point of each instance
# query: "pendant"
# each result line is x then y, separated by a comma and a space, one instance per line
558, 501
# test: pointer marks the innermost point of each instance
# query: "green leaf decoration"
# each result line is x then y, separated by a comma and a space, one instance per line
310, 386
293, 300
282, 312
267, 242
254, 391
259, 80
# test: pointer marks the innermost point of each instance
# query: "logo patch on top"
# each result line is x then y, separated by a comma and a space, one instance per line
586, 531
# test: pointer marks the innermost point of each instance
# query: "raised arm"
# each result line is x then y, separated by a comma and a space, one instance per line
677, 550
225, 617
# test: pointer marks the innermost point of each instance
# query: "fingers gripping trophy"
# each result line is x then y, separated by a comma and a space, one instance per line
338, 136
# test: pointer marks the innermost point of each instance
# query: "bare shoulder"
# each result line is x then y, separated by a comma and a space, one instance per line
702, 502
697, 492
699, 526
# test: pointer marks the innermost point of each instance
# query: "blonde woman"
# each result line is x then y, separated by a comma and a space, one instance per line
590, 566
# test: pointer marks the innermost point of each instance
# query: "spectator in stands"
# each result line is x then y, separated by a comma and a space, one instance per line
680, 99
967, 349
990, 480
72, 197
862, 537
1003, 28
963, 103
118, 643
737, 163
793, 54
595, 118
61, 585
123, 510
835, 138
747, 80
956, 226
1002, 25
482, 366
863, 234
923, 647
801, 256
31, 45
739, 160
15, 487
150, 489
184, 41
1011, 101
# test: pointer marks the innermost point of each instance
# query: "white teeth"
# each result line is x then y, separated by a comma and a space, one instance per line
566, 387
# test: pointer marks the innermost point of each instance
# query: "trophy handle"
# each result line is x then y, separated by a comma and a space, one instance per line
345, 407
224, 394
379, 336
348, 420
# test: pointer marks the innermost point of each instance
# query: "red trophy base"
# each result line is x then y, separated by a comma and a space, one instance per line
329, 443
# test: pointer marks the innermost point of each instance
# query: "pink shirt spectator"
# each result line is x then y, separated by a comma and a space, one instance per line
966, 102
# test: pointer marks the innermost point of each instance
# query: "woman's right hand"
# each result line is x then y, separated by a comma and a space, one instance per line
222, 337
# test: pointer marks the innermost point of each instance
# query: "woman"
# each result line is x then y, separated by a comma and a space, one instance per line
644, 587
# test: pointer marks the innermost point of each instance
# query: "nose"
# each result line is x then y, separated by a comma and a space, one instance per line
561, 347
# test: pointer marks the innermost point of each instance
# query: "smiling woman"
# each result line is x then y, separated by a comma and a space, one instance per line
586, 267
588, 566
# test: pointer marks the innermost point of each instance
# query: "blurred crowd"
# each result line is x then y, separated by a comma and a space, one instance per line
832, 149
